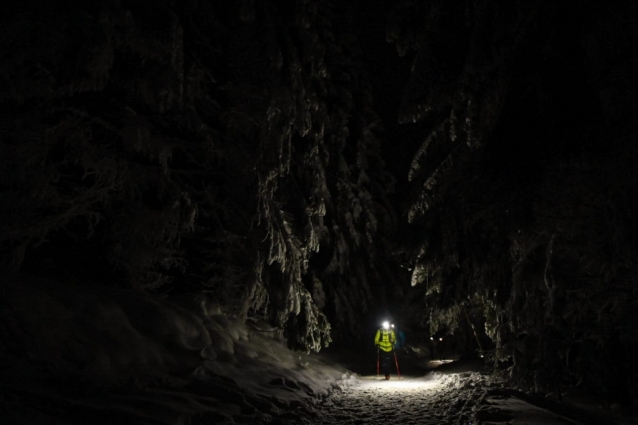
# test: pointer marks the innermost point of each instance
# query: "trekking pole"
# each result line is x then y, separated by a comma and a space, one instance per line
397, 363
377, 362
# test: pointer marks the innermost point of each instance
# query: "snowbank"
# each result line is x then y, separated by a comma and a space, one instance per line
132, 355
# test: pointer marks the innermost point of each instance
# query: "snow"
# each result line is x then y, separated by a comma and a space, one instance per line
107, 356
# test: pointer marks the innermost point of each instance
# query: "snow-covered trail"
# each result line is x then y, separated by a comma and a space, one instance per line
467, 398
435, 399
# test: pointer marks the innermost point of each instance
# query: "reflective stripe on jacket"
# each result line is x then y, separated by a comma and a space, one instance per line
385, 339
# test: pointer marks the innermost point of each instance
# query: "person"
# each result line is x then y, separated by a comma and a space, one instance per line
400, 336
437, 345
385, 340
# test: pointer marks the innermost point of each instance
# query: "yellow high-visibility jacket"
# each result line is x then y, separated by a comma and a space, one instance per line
385, 339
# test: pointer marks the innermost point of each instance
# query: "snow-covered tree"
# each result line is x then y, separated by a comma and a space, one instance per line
226, 147
523, 189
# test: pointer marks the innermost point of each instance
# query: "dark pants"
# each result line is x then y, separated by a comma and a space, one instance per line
387, 358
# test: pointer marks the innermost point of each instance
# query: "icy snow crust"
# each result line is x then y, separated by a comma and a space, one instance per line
107, 356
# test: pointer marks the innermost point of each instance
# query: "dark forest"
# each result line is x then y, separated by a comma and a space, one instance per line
467, 167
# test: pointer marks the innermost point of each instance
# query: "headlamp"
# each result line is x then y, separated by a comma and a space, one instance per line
386, 325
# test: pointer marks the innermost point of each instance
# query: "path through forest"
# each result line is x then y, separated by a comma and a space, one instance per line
411, 400
467, 398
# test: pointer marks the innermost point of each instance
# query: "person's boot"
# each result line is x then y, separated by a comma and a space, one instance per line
387, 376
